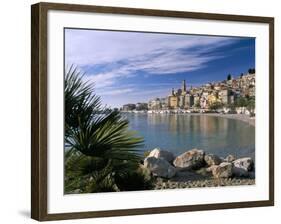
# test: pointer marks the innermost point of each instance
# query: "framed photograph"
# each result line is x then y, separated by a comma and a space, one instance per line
139, 111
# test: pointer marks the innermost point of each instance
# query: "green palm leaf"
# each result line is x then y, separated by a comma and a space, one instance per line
99, 145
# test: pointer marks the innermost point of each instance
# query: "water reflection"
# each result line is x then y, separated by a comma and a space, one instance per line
178, 133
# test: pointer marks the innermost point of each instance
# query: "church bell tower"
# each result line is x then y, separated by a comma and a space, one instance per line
183, 88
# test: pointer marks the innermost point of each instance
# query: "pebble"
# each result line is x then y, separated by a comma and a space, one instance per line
203, 183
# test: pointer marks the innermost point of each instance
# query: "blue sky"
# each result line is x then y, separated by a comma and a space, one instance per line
131, 67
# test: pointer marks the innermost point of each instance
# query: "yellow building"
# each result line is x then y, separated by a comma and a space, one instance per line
176, 99
173, 102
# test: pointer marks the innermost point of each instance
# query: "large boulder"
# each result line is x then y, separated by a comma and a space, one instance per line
246, 163
224, 170
158, 153
193, 159
212, 159
159, 167
239, 172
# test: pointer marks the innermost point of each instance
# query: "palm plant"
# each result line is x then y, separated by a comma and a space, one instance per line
99, 147
80, 104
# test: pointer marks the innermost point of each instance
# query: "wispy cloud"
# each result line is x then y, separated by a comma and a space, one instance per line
130, 53
117, 92
170, 62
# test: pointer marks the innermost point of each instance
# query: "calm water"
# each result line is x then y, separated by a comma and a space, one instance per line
179, 133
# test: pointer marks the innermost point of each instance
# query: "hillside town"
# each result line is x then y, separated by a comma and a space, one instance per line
232, 95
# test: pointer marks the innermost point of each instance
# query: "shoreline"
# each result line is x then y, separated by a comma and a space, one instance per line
241, 117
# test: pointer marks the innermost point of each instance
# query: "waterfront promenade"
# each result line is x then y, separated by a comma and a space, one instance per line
241, 117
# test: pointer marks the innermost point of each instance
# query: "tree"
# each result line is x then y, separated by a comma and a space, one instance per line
229, 77
251, 71
232, 106
216, 105
251, 104
100, 150
247, 101
241, 102
197, 104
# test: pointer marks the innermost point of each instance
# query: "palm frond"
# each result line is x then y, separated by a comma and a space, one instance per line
107, 137
80, 101
100, 148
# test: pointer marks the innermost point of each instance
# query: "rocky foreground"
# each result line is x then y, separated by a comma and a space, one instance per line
195, 168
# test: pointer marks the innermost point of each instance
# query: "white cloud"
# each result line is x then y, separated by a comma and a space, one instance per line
85, 47
171, 62
157, 54
105, 79
117, 92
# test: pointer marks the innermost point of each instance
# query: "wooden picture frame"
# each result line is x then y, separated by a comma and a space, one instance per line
39, 109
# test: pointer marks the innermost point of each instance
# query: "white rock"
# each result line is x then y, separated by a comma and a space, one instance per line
158, 153
159, 167
244, 163
193, 159
224, 170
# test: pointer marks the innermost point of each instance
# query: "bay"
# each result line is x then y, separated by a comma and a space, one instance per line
180, 132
